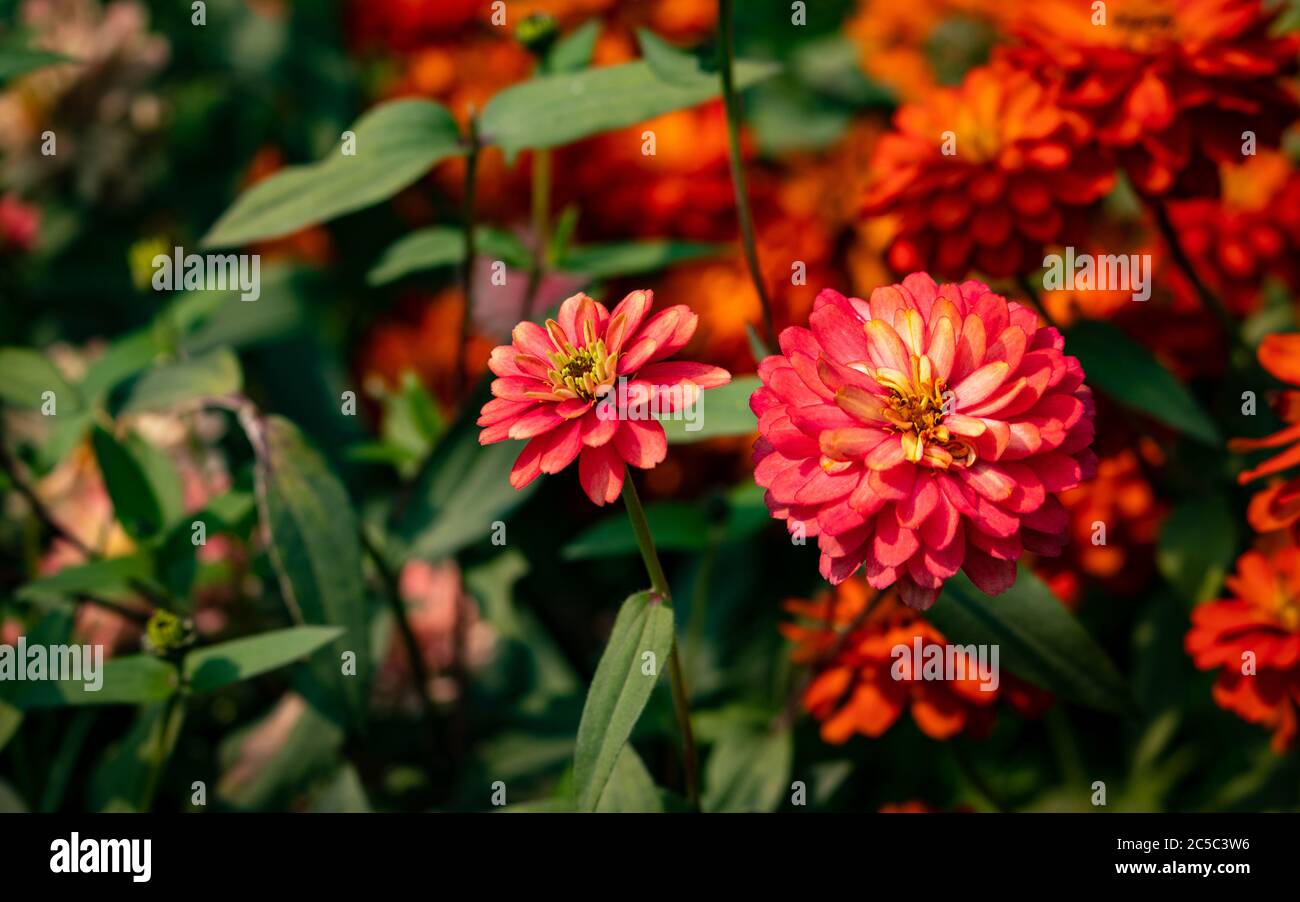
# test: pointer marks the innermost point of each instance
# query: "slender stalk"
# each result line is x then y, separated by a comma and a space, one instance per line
659, 585
1215, 307
173, 711
471, 251
393, 595
541, 228
727, 48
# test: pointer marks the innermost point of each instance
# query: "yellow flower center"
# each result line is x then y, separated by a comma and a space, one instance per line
916, 408
586, 372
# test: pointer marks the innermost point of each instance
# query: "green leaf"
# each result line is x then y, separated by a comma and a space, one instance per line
630, 789
675, 66
220, 665
605, 261
463, 489
619, 691
133, 680
122, 781
1197, 545
16, 61
676, 526
133, 485
186, 383
396, 143
123, 359
28, 375
1126, 371
11, 719
720, 413
111, 578
1038, 639
558, 109
748, 771
573, 51
316, 551
444, 246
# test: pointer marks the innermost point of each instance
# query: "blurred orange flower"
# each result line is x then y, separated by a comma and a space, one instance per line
423, 337
1121, 501
848, 636
1278, 505
901, 45
1254, 637
1170, 85
985, 176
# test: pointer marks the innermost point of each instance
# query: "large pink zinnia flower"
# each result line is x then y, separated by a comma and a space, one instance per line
925, 430
586, 385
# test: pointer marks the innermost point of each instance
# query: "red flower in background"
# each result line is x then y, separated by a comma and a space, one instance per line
849, 638
1278, 505
19, 224
1235, 242
985, 176
557, 389
1259, 626
925, 431
1170, 85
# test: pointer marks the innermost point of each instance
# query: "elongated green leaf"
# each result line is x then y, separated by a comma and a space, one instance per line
123, 359
557, 109
133, 680
1038, 639
111, 578
463, 489
748, 771
122, 781
1126, 371
16, 61
186, 383
574, 51
720, 413
630, 789
28, 375
396, 143
676, 526
628, 670
605, 261
132, 484
316, 552
444, 246
1197, 545
241, 659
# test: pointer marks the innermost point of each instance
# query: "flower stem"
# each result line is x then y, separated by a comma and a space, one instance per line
541, 228
169, 723
471, 251
1215, 307
727, 48
659, 585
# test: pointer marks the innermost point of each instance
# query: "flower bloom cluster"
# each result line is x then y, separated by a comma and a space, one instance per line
849, 637
926, 430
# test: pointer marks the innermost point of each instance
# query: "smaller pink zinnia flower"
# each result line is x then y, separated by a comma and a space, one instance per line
19, 223
586, 387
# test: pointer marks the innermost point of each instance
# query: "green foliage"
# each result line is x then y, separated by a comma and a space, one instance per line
1124, 370
317, 554
1039, 640
637, 652
395, 144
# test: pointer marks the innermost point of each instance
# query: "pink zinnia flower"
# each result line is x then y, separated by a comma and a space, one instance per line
925, 430
585, 386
